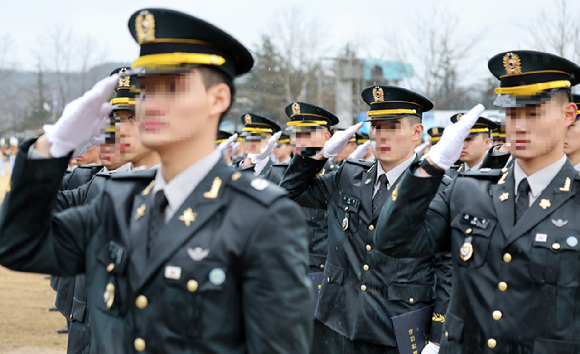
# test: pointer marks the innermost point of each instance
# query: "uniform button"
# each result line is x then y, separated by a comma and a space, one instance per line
446, 335
70, 316
371, 227
507, 257
497, 315
192, 285
139, 344
411, 300
141, 302
328, 280
363, 287
468, 231
110, 267
556, 246
345, 208
502, 286
369, 247
491, 343
366, 267
322, 266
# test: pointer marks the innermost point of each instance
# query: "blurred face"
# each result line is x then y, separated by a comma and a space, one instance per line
282, 151
474, 149
256, 144
572, 141
174, 108
394, 140
130, 146
303, 142
89, 157
538, 130
110, 156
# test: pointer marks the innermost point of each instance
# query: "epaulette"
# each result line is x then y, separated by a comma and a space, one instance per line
259, 189
482, 173
145, 174
364, 163
446, 180
281, 164
91, 166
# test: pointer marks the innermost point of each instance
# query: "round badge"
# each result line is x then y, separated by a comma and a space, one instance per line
217, 276
466, 251
344, 224
572, 241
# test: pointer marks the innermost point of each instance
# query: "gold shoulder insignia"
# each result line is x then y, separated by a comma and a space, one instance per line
566, 187
545, 204
188, 217
215, 188
236, 176
140, 212
148, 188
395, 193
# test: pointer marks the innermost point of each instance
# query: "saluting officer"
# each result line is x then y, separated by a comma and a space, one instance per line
513, 233
260, 136
182, 258
363, 289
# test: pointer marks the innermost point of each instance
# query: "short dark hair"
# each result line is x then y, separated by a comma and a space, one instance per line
413, 119
211, 77
562, 96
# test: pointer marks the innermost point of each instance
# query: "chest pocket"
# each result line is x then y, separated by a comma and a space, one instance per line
191, 286
554, 256
113, 258
350, 207
471, 238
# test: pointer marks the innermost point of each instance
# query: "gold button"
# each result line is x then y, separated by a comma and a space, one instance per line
369, 247
345, 208
70, 316
502, 286
139, 344
192, 285
110, 267
141, 302
371, 227
366, 267
468, 231
556, 246
507, 257
411, 300
328, 279
497, 315
491, 343
446, 335
363, 287
322, 266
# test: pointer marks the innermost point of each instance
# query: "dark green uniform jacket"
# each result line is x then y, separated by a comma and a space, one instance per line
518, 289
228, 278
364, 288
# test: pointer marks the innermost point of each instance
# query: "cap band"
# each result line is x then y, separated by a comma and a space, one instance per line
390, 112
307, 123
530, 90
436, 138
257, 130
122, 100
153, 60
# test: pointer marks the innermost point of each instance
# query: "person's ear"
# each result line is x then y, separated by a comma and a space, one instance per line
219, 98
418, 130
570, 112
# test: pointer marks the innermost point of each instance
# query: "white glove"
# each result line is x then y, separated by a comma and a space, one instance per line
360, 151
81, 119
225, 146
449, 148
339, 141
265, 154
431, 348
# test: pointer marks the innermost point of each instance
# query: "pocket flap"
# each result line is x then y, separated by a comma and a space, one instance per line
353, 204
113, 257
411, 294
453, 328
78, 310
333, 274
474, 226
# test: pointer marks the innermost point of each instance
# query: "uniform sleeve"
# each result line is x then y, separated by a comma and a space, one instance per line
417, 223
72, 198
277, 296
305, 186
443, 270
495, 158
32, 237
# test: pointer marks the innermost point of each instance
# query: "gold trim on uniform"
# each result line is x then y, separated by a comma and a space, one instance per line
215, 188
437, 317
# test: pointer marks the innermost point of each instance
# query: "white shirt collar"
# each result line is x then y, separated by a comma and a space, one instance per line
474, 168
539, 180
184, 183
577, 167
393, 174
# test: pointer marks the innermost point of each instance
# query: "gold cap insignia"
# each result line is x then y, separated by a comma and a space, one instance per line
124, 81
248, 119
145, 27
296, 108
435, 130
512, 64
378, 94
459, 116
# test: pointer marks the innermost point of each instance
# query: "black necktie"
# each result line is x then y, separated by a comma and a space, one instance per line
156, 219
523, 201
379, 198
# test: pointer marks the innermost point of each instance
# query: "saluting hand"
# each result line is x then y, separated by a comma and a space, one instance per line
360, 151
81, 119
449, 148
225, 146
257, 158
339, 141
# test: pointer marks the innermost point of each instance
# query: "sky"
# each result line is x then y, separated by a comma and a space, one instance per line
503, 24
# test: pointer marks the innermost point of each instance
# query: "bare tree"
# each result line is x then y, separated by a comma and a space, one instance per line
440, 51
6, 65
557, 30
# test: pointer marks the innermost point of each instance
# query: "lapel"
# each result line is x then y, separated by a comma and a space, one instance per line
366, 193
139, 233
556, 193
201, 205
505, 210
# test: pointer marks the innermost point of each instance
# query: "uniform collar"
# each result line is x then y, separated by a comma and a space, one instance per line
539, 180
474, 168
395, 173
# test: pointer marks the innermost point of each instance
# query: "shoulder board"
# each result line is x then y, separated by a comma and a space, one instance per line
446, 180
364, 163
91, 166
145, 174
105, 174
282, 164
482, 173
259, 189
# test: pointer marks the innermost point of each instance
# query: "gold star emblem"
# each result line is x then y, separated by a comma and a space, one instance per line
140, 212
504, 197
188, 217
545, 204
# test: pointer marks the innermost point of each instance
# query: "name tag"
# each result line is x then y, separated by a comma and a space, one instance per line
172, 272
541, 238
